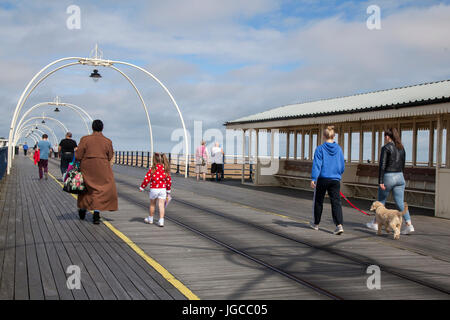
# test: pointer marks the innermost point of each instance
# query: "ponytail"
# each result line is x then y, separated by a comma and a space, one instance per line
328, 132
395, 137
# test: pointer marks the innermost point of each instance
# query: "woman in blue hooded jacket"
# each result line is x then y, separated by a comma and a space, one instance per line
327, 170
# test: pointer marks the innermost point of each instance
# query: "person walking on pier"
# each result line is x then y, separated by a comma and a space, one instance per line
66, 148
327, 170
160, 186
44, 150
217, 162
201, 160
95, 153
390, 177
25, 149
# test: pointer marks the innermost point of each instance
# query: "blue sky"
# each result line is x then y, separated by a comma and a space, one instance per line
220, 59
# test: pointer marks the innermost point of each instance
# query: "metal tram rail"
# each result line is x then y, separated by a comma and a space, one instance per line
286, 237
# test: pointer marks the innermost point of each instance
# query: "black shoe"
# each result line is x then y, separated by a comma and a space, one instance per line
96, 217
82, 213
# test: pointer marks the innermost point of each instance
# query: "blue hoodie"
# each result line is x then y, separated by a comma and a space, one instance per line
328, 162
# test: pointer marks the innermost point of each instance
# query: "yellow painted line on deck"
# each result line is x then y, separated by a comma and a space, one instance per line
152, 262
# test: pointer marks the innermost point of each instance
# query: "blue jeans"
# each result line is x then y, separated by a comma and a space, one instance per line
395, 182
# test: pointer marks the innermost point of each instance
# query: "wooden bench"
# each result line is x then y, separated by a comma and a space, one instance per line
427, 175
296, 166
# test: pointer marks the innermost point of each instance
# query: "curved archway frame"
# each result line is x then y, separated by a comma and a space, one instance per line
80, 111
122, 73
91, 62
60, 124
55, 138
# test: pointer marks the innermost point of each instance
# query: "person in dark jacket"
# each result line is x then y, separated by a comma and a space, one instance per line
327, 170
67, 148
390, 177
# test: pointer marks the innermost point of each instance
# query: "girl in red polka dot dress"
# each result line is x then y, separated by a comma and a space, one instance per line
160, 184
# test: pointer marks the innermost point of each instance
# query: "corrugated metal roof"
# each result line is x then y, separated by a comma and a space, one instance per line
392, 98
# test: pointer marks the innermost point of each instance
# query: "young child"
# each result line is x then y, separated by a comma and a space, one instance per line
160, 184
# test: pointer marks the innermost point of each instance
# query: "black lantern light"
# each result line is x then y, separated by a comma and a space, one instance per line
95, 75
56, 110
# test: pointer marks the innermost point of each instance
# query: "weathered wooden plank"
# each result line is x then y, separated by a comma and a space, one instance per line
125, 251
8, 270
21, 278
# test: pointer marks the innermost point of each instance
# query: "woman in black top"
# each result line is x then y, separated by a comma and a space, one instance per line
390, 177
66, 148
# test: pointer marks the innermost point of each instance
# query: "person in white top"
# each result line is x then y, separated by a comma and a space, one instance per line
217, 162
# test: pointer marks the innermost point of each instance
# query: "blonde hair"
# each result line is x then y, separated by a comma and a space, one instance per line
328, 132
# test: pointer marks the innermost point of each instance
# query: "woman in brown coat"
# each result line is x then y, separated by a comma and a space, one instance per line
95, 153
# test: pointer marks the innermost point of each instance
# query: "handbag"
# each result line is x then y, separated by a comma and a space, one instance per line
74, 180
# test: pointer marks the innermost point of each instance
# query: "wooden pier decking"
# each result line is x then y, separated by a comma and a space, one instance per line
41, 235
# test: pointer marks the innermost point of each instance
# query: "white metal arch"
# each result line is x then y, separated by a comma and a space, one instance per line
84, 61
55, 138
35, 137
60, 124
123, 74
30, 136
80, 111
34, 134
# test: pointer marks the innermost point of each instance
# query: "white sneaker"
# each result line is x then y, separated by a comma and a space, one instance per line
314, 226
161, 222
372, 225
339, 230
408, 229
149, 220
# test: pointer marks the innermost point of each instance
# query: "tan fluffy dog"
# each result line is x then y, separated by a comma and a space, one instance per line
390, 219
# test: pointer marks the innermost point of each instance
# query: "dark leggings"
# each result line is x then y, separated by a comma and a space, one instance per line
333, 188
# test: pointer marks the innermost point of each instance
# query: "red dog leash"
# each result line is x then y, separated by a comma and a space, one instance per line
353, 206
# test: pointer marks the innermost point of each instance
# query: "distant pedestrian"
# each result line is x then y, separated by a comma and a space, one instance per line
160, 186
67, 148
95, 153
44, 151
217, 162
390, 178
201, 161
327, 170
25, 149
